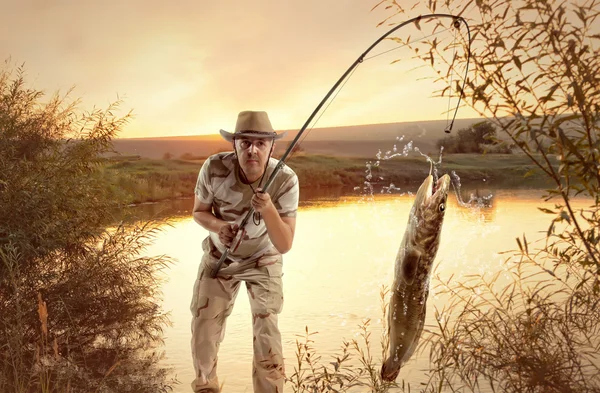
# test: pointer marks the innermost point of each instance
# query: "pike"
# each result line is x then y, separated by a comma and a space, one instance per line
412, 272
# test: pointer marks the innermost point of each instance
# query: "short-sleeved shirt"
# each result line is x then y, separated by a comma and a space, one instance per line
219, 184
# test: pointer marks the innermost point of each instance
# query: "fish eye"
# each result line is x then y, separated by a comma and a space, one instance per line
442, 207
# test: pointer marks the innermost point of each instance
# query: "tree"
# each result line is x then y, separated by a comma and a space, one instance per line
478, 138
534, 73
78, 301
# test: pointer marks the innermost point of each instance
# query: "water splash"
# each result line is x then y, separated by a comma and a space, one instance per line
408, 148
475, 201
368, 187
389, 189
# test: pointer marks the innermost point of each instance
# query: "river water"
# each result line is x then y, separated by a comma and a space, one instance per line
343, 253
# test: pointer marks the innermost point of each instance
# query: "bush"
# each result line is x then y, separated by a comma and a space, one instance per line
79, 303
479, 138
534, 75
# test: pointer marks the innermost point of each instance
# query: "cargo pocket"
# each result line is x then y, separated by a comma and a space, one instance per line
275, 288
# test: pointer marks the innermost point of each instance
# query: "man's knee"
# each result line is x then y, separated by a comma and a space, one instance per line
266, 291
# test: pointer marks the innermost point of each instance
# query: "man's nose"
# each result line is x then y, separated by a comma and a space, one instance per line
253, 148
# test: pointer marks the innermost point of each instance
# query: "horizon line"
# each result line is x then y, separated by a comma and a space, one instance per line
217, 135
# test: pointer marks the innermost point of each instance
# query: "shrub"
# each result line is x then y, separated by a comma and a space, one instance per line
78, 300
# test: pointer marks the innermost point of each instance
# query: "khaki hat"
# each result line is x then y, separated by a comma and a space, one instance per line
252, 124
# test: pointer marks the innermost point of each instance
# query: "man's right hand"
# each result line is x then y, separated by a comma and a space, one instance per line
227, 234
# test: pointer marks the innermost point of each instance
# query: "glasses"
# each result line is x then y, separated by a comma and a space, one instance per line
260, 144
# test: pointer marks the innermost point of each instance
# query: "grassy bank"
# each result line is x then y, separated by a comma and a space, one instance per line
150, 180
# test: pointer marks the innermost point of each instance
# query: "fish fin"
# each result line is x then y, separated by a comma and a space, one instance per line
410, 264
415, 342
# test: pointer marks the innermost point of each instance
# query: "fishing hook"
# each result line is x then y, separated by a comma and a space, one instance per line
359, 60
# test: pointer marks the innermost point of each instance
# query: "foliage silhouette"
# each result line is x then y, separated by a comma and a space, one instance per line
98, 316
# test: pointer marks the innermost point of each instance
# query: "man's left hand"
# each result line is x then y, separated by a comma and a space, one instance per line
261, 201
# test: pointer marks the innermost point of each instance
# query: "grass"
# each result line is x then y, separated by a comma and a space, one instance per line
354, 367
151, 180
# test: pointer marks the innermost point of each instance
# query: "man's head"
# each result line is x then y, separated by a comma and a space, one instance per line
253, 141
253, 154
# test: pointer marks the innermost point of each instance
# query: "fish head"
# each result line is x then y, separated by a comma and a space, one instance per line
413, 266
428, 211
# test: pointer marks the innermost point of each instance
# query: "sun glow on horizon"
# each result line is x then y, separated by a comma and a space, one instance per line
182, 71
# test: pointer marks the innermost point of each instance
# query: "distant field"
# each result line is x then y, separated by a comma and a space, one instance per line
153, 180
351, 141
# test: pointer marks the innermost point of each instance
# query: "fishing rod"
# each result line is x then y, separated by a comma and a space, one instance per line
359, 60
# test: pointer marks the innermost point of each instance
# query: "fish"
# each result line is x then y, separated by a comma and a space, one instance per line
412, 273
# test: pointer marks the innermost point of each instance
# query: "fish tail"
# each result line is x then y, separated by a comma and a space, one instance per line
390, 370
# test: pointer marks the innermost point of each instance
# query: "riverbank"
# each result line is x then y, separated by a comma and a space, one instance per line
152, 180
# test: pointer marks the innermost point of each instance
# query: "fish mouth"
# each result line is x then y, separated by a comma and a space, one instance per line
431, 192
436, 190
442, 185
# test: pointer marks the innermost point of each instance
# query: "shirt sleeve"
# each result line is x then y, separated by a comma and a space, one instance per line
203, 188
287, 203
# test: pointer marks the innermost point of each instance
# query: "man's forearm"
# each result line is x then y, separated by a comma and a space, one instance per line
208, 221
280, 233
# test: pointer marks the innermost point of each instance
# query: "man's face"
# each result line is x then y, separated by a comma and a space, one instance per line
253, 154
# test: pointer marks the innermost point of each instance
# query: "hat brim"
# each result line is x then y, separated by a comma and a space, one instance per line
229, 136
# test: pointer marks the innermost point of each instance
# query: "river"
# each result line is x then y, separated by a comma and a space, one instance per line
343, 254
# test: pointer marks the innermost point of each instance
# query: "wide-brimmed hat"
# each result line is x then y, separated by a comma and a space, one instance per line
254, 124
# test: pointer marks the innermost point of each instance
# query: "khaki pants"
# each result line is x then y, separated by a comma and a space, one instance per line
212, 303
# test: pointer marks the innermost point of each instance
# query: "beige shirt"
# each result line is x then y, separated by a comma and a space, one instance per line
219, 184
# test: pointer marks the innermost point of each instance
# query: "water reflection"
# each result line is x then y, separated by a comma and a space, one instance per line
312, 197
343, 253
179, 208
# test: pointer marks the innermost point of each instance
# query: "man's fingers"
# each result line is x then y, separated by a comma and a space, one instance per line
229, 230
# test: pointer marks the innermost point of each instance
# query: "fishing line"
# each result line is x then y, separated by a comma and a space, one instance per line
354, 70
349, 71
451, 77
461, 90
326, 107
408, 43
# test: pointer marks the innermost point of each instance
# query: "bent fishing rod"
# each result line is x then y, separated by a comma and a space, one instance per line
359, 60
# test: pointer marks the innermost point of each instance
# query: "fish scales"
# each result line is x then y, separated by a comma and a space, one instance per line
412, 273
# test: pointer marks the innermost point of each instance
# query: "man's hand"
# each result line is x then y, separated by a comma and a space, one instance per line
227, 234
261, 201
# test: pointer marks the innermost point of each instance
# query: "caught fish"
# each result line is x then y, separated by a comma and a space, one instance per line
412, 273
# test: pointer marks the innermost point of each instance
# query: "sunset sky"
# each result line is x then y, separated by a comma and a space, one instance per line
189, 67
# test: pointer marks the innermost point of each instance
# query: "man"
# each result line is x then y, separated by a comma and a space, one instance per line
228, 184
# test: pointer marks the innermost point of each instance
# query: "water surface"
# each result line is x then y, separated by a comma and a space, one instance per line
343, 253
